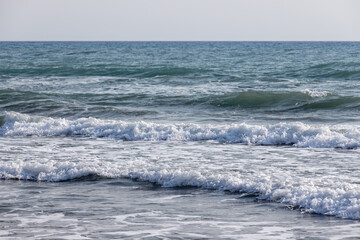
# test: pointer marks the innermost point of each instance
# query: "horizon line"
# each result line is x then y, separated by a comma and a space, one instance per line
179, 40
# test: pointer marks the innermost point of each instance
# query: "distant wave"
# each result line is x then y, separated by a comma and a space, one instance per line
294, 134
249, 99
335, 198
305, 100
336, 70
332, 70
102, 70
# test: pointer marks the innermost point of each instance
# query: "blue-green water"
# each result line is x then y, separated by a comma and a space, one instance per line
217, 80
273, 121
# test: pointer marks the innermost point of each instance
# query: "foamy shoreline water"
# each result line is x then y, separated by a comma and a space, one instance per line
317, 193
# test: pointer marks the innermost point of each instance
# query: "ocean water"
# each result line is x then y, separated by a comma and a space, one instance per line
180, 140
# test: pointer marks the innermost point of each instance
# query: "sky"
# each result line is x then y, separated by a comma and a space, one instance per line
179, 20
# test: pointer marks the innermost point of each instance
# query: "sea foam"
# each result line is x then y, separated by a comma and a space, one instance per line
312, 196
315, 94
294, 133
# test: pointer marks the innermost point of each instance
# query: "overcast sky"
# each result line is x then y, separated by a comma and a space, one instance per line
180, 20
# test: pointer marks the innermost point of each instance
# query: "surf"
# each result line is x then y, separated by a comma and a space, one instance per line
295, 134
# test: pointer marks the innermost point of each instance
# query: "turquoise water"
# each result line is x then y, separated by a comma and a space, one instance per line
262, 125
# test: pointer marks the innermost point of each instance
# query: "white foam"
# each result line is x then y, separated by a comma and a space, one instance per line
315, 94
341, 200
314, 196
297, 134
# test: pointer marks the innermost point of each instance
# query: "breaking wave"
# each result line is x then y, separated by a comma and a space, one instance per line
296, 134
322, 197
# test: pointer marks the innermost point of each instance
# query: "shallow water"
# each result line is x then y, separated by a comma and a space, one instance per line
121, 208
115, 189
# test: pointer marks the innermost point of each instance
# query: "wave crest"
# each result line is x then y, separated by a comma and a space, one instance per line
297, 134
335, 198
284, 101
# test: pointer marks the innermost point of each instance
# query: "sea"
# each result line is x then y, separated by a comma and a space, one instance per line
179, 140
